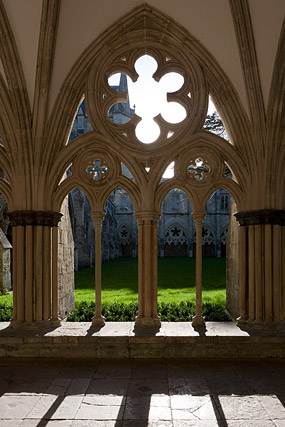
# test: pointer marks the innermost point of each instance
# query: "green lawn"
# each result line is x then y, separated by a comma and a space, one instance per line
176, 280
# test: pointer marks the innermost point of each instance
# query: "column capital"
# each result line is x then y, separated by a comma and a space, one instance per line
198, 217
30, 217
147, 217
98, 217
261, 216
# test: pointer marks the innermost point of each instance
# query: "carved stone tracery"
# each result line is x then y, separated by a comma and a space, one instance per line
175, 235
198, 164
101, 97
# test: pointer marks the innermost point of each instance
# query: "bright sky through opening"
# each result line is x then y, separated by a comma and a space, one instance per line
150, 99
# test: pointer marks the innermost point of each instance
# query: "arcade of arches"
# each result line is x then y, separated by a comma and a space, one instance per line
38, 106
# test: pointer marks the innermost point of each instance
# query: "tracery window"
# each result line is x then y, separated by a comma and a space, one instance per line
225, 202
175, 235
124, 235
120, 154
167, 93
223, 238
149, 99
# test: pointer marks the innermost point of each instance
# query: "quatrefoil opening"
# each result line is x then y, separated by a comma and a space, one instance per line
149, 99
199, 170
98, 170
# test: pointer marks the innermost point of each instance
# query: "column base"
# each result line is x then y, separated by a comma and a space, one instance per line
198, 322
34, 326
259, 325
98, 321
147, 322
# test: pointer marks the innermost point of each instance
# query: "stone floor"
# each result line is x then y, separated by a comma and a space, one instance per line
142, 392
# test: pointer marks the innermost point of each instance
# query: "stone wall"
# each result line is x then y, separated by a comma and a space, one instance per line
233, 265
82, 228
65, 263
5, 262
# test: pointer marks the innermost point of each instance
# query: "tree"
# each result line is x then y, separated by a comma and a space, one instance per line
214, 124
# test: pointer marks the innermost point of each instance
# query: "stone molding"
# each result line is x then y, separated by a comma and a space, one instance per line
35, 325
246, 44
147, 218
43, 218
263, 216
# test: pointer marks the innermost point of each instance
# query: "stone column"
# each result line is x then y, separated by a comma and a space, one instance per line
198, 320
262, 288
98, 319
35, 293
147, 270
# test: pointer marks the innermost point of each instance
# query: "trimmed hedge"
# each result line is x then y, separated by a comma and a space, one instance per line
168, 312
6, 312
122, 312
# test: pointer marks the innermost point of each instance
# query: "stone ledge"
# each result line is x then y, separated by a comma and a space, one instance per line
120, 340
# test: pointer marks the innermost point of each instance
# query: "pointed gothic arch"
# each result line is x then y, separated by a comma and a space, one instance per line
105, 142
37, 156
175, 241
148, 19
124, 234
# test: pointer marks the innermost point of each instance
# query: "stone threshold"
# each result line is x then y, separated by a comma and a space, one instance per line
72, 340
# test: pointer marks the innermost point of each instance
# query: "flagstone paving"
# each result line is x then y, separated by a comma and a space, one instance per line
141, 393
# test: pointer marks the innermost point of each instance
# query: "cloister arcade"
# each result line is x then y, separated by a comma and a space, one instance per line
35, 158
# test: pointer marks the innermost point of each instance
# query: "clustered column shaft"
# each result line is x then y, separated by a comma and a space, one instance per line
198, 320
98, 319
35, 241
147, 270
262, 269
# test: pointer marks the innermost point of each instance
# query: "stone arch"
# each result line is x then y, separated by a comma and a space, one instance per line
148, 19
166, 188
38, 179
175, 240
176, 223
65, 188
124, 217
96, 195
224, 215
15, 114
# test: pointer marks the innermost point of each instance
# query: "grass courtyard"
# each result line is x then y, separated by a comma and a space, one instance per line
176, 280
176, 291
